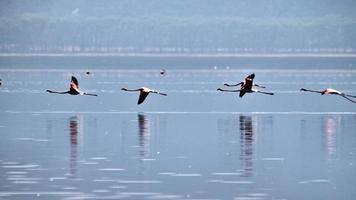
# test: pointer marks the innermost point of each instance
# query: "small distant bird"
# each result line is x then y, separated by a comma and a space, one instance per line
73, 89
75, 11
331, 91
0, 81
246, 87
163, 72
144, 92
87, 73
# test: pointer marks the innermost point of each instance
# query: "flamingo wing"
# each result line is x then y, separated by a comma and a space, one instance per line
74, 86
242, 93
248, 84
75, 81
142, 97
251, 76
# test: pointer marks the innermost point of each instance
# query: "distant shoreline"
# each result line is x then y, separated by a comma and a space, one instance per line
192, 55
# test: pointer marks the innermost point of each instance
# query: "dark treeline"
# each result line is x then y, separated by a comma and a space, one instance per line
176, 25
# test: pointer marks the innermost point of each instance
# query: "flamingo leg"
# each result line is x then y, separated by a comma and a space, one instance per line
350, 95
260, 86
269, 93
89, 94
164, 94
343, 95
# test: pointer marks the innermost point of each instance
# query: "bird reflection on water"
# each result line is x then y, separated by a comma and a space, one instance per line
246, 144
144, 135
74, 125
330, 129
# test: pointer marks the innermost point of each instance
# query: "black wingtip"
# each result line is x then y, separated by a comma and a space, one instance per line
251, 76
75, 80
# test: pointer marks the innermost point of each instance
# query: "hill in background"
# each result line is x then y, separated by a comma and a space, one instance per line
177, 26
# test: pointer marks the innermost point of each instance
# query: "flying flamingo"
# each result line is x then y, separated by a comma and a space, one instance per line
247, 79
144, 92
246, 87
330, 91
73, 90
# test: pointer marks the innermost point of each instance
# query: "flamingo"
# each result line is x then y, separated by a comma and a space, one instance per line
330, 91
73, 90
144, 92
246, 87
248, 80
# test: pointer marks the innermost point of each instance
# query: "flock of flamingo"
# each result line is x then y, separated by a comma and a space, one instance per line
246, 86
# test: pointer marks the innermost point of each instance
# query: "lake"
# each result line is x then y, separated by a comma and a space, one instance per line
195, 143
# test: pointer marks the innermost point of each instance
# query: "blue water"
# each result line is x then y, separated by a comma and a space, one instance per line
195, 143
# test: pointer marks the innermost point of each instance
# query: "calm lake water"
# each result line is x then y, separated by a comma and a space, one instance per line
195, 143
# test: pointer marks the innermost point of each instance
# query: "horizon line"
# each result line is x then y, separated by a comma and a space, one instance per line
201, 55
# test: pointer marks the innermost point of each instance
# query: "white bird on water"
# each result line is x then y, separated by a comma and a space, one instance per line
144, 92
331, 91
73, 89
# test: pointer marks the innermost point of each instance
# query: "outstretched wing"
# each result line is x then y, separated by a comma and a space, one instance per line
242, 93
142, 97
75, 82
74, 86
251, 76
